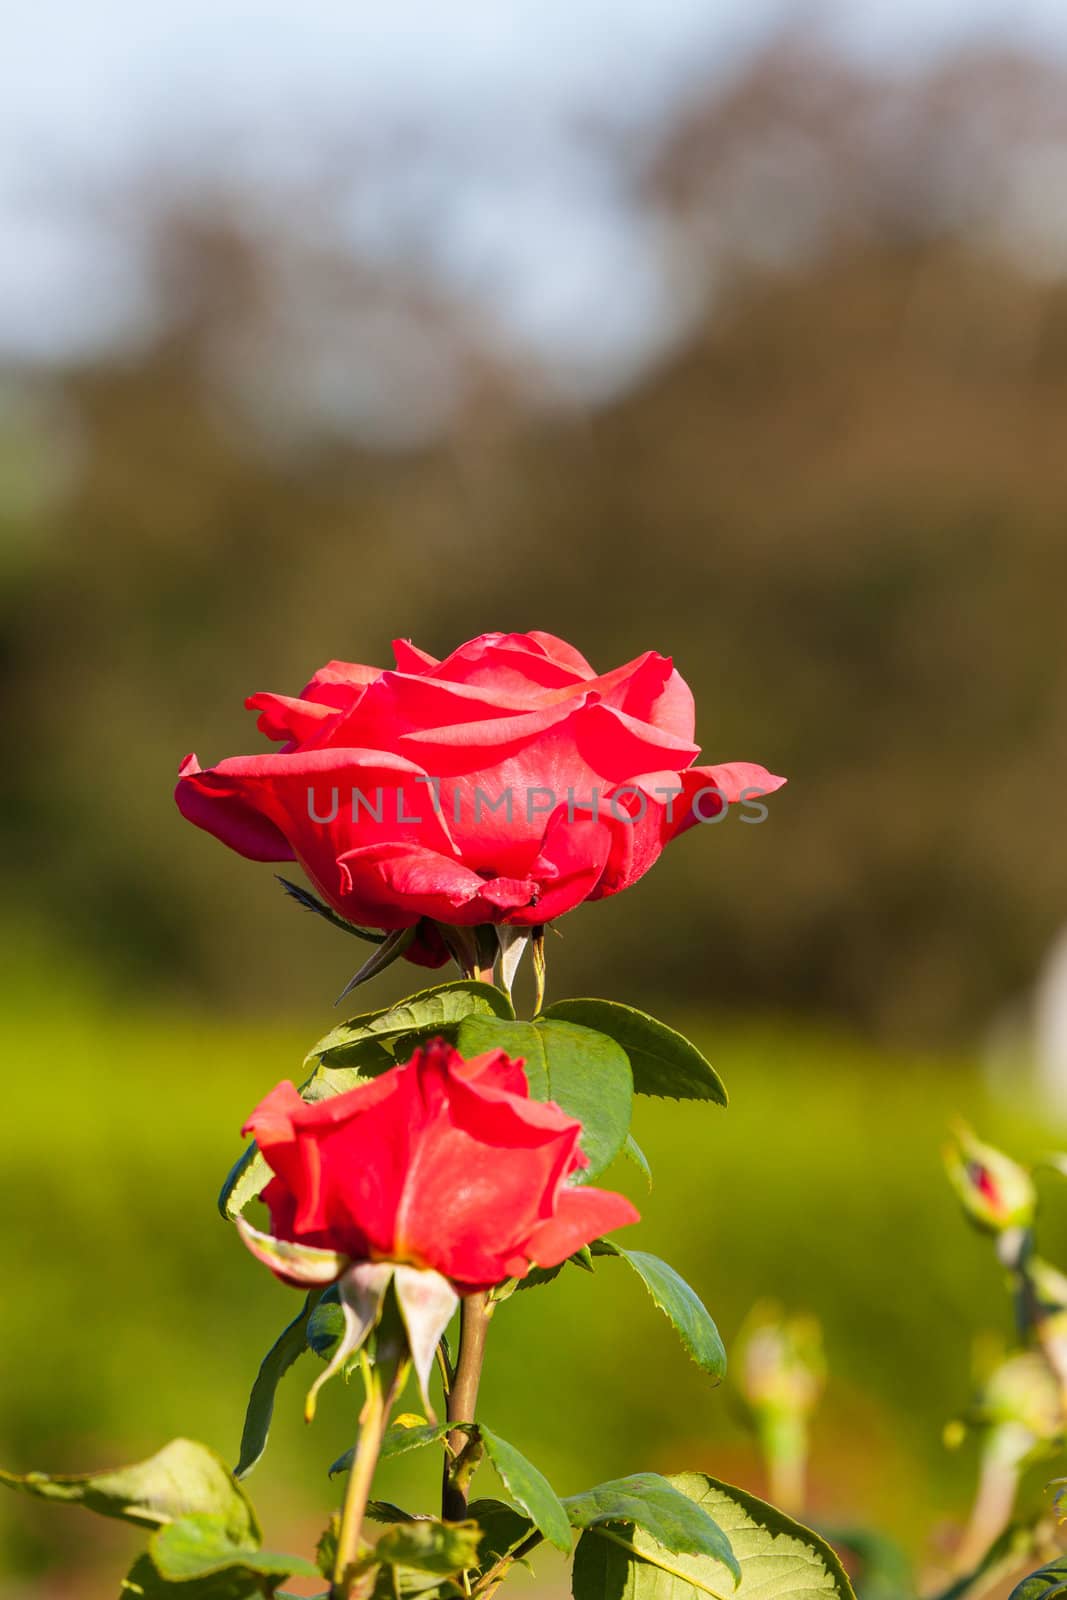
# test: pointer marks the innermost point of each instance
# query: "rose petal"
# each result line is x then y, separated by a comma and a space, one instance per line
283, 717
409, 658
220, 809
734, 780
581, 1216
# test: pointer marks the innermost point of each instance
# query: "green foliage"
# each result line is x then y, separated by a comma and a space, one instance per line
675, 1520
529, 1487
399, 1440
429, 1545
182, 1478
679, 1303
503, 1529
206, 1540
289, 1345
772, 1556
435, 1010
194, 1559
633, 1152
663, 1062
1047, 1583
584, 1072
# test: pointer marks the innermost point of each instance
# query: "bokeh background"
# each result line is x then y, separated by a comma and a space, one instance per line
735, 331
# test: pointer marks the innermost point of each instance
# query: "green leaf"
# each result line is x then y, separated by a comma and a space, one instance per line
583, 1071
503, 1529
245, 1181
679, 1303
1047, 1583
430, 1546
664, 1062
366, 1061
386, 1511
530, 1488
182, 1479
197, 1547
399, 1440
777, 1558
673, 1519
633, 1152
430, 1011
290, 1343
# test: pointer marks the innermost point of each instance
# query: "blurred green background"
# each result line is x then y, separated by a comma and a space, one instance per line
752, 350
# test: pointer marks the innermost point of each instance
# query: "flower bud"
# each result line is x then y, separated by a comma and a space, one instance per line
782, 1366
997, 1193
1023, 1390
782, 1376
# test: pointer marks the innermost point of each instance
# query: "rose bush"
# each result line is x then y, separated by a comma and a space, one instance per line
441, 1163
506, 784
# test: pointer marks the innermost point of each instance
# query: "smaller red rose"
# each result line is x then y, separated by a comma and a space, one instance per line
442, 1164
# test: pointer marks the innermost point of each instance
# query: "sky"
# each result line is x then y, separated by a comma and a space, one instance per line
95, 95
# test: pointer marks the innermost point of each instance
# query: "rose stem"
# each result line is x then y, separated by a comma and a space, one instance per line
463, 1398
372, 1423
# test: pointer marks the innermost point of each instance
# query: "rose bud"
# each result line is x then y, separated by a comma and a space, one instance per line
441, 1176
506, 784
783, 1373
997, 1193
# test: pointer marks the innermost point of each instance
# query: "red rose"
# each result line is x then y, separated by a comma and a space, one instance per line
442, 1164
505, 784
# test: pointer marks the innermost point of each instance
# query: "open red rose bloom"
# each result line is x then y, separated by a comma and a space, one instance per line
507, 783
442, 1163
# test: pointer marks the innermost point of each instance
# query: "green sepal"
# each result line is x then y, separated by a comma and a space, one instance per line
664, 1063
680, 1304
311, 902
326, 1325
586, 1073
537, 1276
